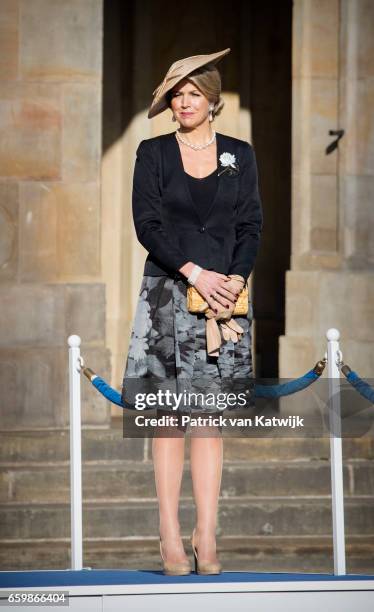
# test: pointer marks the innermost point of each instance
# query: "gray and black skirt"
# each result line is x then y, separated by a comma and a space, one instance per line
168, 350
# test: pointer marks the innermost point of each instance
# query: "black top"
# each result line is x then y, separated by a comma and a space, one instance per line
203, 191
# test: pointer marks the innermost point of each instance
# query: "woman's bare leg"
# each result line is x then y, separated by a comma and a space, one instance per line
206, 457
168, 461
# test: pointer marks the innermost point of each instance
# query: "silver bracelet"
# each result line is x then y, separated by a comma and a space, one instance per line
194, 274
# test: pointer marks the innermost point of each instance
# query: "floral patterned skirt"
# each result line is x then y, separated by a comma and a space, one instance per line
168, 350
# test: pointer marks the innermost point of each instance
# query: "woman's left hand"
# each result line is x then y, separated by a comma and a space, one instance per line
235, 285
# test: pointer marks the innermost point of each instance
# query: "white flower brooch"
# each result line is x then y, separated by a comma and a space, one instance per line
228, 161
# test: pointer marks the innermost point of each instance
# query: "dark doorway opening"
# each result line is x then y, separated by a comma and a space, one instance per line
142, 38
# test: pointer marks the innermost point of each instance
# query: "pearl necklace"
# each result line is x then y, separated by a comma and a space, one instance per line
196, 147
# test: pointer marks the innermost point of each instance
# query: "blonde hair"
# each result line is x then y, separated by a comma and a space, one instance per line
208, 80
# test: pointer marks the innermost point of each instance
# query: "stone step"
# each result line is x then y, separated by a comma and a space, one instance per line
123, 480
39, 446
248, 515
44, 445
267, 553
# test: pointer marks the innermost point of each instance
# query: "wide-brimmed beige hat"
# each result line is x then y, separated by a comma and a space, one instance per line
178, 71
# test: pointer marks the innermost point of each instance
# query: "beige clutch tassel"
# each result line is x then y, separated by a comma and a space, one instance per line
228, 326
231, 330
213, 334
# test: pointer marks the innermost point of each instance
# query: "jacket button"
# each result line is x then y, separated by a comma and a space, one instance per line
202, 229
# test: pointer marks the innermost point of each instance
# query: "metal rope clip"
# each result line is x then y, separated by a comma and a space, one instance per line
81, 362
339, 359
320, 366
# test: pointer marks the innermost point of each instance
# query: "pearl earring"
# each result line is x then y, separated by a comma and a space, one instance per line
210, 113
173, 118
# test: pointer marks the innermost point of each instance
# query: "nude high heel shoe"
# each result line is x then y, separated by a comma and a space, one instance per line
175, 569
204, 567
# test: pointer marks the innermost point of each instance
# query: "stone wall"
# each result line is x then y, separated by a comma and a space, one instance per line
330, 283
50, 207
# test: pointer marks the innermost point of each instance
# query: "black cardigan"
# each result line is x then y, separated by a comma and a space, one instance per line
172, 229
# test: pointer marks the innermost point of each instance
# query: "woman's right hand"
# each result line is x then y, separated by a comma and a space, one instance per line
211, 285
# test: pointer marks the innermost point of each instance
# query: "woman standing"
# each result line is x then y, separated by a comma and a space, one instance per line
197, 211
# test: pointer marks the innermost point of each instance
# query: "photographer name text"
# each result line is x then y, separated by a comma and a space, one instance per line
221, 421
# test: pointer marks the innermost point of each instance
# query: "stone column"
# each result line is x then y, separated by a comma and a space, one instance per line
330, 283
50, 154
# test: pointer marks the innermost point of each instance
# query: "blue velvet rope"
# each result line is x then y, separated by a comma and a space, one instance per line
111, 394
263, 391
361, 386
272, 391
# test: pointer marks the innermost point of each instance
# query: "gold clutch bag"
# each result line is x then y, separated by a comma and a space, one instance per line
196, 302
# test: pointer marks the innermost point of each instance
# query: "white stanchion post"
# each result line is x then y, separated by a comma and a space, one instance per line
336, 455
75, 453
